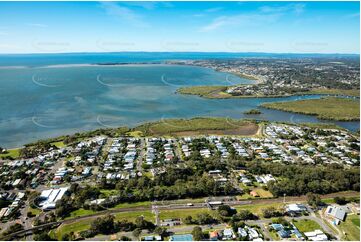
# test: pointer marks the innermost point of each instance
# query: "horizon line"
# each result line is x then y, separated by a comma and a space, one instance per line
141, 51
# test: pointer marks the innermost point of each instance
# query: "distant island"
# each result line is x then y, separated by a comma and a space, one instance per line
253, 111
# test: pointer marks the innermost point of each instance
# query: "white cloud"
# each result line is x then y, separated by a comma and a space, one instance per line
265, 14
296, 8
123, 13
240, 20
148, 5
37, 25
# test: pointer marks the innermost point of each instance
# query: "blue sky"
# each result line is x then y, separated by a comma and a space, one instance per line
282, 27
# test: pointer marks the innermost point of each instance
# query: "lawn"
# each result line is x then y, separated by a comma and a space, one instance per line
133, 205
81, 212
331, 108
13, 153
131, 216
306, 225
328, 200
356, 221
257, 208
351, 227
181, 213
199, 126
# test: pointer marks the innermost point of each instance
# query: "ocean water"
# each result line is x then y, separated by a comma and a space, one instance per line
44, 97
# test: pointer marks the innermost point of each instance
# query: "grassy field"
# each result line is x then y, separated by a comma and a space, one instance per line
306, 225
84, 224
177, 213
205, 91
13, 153
263, 193
75, 227
198, 126
81, 212
257, 208
352, 92
131, 216
351, 227
133, 205
135, 134
331, 108
59, 144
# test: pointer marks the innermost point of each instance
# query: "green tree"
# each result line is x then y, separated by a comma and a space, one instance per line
103, 225
205, 218
43, 236
188, 220
136, 233
161, 231
225, 210
244, 215
271, 212
340, 200
197, 233
314, 200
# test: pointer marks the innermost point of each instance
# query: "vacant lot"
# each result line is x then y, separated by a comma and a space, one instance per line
199, 126
306, 225
331, 108
257, 208
351, 227
263, 193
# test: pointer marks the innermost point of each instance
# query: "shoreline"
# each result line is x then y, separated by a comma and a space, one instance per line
96, 132
184, 91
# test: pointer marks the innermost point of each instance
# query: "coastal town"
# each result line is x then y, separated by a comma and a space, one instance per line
180, 120
103, 180
279, 76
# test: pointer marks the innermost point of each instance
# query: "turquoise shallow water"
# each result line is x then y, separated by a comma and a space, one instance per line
41, 102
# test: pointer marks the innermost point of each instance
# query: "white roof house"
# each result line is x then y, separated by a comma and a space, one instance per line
336, 212
316, 235
51, 196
